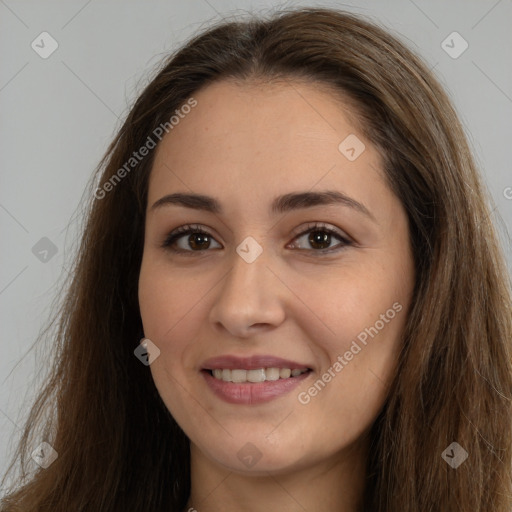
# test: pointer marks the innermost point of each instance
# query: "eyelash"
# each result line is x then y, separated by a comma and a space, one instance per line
189, 229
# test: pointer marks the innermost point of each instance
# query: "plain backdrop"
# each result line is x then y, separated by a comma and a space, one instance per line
59, 113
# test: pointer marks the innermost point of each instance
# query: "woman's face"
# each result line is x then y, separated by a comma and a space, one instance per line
297, 258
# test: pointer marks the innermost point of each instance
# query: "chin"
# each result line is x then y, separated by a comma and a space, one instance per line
254, 455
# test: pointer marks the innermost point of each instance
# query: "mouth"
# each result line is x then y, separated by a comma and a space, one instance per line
252, 380
239, 375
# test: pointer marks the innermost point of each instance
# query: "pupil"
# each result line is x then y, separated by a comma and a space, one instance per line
199, 241
319, 238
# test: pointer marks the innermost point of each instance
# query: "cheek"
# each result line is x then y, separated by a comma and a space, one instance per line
343, 303
172, 309
360, 313
165, 301
165, 321
352, 385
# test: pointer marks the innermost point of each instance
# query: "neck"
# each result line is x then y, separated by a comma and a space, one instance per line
334, 484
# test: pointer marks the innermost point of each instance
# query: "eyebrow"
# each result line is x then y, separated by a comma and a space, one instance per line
281, 204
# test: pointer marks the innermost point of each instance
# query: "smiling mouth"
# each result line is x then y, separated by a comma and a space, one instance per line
240, 376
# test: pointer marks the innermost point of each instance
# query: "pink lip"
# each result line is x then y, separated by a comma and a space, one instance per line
252, 392
250, 363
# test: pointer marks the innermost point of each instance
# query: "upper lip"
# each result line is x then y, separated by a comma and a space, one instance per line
250, 363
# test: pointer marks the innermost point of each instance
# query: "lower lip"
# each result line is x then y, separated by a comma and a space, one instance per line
249, 393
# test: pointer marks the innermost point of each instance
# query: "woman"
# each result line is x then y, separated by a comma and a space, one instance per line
289, 294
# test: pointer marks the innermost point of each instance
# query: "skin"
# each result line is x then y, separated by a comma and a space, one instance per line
245, 144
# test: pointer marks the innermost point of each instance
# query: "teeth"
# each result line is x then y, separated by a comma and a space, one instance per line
284, 373
238, 375
258, 375
272, 374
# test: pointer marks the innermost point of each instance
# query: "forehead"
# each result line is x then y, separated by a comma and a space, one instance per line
262, 139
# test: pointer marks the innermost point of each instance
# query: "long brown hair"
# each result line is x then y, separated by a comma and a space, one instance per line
118, 446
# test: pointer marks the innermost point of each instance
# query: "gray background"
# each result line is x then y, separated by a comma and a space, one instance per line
59, 114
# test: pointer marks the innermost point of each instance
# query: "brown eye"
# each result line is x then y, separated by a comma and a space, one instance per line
319, 239
190, 239
199, 241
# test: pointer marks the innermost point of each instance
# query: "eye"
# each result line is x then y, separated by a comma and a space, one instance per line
319, 237
198, 239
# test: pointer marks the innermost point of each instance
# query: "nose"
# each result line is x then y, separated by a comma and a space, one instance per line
249, 300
